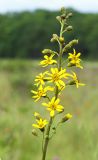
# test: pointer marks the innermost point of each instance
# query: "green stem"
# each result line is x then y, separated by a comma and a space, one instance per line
46, 140
42, 141
59, 59
56, 96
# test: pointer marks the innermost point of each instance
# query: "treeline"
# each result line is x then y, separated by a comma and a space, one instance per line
24, 35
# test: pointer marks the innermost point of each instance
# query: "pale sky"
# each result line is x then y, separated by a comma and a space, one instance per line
21, 5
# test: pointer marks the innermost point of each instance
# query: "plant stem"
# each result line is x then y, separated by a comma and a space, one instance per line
56, 96
46, 139
59, 58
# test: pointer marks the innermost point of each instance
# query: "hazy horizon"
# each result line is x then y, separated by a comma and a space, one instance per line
31, 5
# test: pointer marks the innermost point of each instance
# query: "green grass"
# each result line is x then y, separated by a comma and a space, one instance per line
75, 140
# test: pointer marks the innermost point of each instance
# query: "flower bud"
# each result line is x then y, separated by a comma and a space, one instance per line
37, 115
69, 15
66, 117
71, 82
58, 18
63, 10
61, 39
73, 42
46, 51
69, 28
34, 132
70, 44
67, 47
54, 38
63, 16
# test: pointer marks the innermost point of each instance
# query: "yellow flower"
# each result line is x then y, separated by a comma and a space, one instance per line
55, 76
41, 92
48, 60
40, 79
74, 59
76, 81
53, 106
66, 117
41, 123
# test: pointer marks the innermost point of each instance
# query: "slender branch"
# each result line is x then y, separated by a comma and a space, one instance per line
55, 130
43, 142
46, 139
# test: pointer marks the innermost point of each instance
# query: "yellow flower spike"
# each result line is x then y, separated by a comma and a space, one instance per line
66, 117
40, 79
53, 106
48, 60
41, 92
56, 76
76, 81
74, 59
41, 123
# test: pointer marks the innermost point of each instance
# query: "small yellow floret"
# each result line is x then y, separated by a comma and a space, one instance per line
41, 123
56, 76
66, 117
48, 60
53, 106
41, 92
74, 59
40, 79
76, 81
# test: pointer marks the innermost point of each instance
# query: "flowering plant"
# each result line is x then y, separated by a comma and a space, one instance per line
55, 79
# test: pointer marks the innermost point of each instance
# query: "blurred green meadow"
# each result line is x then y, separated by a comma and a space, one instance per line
75, 140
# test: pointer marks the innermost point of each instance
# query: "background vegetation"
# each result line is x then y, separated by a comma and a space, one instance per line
25, 34
75, 140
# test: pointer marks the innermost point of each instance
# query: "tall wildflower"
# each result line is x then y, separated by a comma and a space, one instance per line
53, 80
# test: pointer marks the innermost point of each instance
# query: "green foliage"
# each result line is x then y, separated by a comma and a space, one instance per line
25, 34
